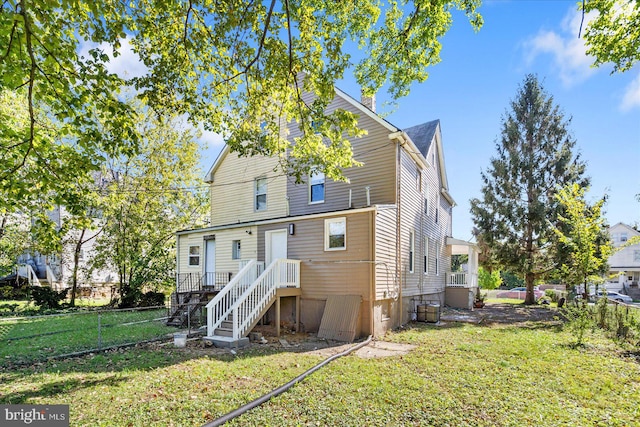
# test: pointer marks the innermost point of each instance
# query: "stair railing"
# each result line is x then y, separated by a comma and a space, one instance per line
219, 308
26, 271
281, 273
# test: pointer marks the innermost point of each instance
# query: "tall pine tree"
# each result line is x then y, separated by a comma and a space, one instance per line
517, 208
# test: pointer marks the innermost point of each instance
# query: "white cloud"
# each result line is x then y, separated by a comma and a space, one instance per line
127, 64
568, 52
631, 97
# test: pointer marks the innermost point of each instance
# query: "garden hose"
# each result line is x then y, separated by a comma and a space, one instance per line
259, 401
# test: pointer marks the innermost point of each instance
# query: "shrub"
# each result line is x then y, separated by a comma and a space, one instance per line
488, 280
152, 299
47, 298
580, 319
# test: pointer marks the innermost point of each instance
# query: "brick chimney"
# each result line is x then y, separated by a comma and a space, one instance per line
368, 101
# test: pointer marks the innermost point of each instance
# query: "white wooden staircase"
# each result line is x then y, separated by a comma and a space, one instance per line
233, 312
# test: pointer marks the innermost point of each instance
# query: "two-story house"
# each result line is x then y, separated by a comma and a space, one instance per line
624, 263
366, 253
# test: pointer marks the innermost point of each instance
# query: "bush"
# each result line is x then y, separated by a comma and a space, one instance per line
488, 280
47, 298
152, 299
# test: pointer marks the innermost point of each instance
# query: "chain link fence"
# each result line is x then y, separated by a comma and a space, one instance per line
37, 338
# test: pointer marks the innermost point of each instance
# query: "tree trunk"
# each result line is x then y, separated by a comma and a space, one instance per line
76, 261
530, 297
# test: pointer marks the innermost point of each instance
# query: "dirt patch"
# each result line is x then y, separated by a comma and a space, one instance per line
502, 314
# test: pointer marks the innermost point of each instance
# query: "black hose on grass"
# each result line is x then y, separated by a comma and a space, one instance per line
259, 401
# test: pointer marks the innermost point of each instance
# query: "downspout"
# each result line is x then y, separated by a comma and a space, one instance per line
373, 294
400, 138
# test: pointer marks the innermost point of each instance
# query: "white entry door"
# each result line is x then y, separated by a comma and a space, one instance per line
210, 263
276, 245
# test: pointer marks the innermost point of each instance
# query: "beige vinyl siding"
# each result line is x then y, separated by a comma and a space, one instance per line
386, 274
324, 273
377, 153
224, 242
413, 217
184, 242
232, 191
224, 239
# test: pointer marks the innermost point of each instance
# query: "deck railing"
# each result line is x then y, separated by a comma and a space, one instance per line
463, 280
192, 282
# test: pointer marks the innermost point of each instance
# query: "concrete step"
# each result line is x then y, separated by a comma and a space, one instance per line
226, 342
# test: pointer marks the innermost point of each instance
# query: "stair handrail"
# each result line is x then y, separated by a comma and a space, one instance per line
219, 308
26, 271
280, 273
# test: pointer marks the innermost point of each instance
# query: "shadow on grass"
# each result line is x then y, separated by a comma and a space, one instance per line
52, 389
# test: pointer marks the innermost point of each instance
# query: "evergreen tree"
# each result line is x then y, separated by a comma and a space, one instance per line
517, 207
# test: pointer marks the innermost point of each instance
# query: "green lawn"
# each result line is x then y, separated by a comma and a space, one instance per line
459, 375
31, 339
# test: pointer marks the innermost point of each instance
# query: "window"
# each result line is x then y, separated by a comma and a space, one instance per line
235, 249
438, 209
426, 197
261, 194
419, 180
316, 187
636, 255
335, 234
411, 251
194, 255
425, 267
623, 237
437, 259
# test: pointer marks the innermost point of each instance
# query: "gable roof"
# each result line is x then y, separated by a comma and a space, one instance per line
422, 135
626, 227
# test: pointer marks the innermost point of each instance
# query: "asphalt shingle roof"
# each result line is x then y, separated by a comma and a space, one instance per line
422, 135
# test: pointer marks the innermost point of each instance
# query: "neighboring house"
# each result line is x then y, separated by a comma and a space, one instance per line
367, 253
56, 269
624, 263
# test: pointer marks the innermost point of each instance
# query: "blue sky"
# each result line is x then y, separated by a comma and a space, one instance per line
471, 88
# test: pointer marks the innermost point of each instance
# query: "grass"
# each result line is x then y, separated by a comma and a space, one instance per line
30, 339
458, 375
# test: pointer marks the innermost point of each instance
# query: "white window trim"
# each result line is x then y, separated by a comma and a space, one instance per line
324, 188
327, 226
425, 258
256, 194
193, 256
236, 252
412, 251
437, 258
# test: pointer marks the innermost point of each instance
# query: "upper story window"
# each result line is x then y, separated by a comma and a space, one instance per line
335, 234
623, 237
419, 180
412, 251
425, 266
235, 250
194, 255
261, 194
316, 187
636, 256
438, 209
